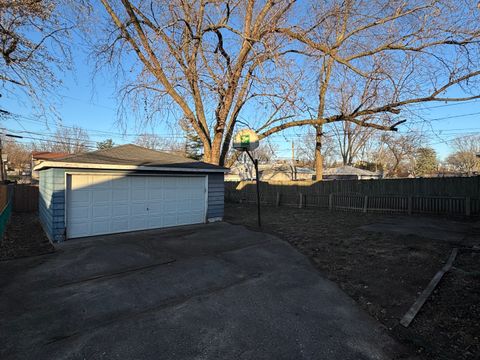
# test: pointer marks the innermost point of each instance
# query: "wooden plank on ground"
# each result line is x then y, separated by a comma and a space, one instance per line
413, 311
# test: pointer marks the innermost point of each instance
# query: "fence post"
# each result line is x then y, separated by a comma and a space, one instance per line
468, 206
330, 202
300, 201
365, 204
410, 205
277, 201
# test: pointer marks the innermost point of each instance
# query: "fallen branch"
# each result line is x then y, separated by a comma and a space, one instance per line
413, 311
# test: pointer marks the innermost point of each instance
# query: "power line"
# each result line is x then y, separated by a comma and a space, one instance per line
446, 105
105, 132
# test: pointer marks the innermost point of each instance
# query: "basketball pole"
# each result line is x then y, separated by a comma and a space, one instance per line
255, 163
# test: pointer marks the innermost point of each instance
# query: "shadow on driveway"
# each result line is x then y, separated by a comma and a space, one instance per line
215, 291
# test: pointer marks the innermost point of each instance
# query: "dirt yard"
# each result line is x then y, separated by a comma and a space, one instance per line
24, 236
384, 262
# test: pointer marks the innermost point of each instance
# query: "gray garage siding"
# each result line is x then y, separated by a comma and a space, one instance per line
52, 198
215, 196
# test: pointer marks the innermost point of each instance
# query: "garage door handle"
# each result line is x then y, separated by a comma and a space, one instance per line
147, 209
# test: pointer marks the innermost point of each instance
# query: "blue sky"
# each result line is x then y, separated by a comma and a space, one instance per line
90, 102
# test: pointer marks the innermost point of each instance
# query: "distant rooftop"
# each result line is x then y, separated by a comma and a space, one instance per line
349, 170
47, 155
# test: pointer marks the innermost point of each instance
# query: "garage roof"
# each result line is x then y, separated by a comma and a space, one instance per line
130, 157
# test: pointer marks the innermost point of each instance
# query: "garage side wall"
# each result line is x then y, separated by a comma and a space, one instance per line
52, 203
215, 197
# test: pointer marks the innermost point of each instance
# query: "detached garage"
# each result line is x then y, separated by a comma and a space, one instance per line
126, 188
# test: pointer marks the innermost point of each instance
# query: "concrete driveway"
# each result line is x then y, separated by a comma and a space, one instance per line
215, 291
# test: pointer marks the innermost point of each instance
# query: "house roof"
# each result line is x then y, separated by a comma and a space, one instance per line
47, 155
130, 157
348, 170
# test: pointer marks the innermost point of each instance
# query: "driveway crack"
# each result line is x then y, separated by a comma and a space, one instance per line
168, 303
115, 274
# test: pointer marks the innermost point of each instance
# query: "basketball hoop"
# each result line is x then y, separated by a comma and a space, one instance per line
247, 140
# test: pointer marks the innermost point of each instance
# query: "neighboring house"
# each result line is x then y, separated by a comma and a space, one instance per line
239, 172
126, 188
349, 173
39, 156
284, 172
230, 176
269, 172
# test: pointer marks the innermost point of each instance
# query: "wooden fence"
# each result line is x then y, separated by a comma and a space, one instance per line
440, 196
25, 198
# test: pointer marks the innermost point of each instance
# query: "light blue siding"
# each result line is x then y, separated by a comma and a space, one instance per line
52, 199
52, 203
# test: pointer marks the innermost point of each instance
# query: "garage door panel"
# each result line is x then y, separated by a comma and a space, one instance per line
154, 220
155, 194
102, 204
195, 206
80, 213
79, 196
101, 227
100, 182
139, 194
183, 205
138, 222
121, 183
155, 207
100, 196
139, 208
170, 220
120, 224
120, 194
138, 182
171, 194
120, 209
79, 229
102, 210
80, 182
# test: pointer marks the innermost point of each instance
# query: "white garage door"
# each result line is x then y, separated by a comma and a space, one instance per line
104, 204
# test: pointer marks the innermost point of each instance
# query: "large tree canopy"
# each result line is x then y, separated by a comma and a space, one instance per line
296, 63
34, 48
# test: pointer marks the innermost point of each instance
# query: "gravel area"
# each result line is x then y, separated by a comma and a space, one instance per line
23, 237
385, 271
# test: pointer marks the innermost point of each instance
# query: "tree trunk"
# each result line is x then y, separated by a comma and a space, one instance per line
318, 152
215, 150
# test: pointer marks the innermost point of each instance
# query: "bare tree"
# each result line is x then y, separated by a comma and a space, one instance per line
154, 142
466, 156
214, 60
149, 141
33, 47
19, 155
351, 139
397, 53
265, 154
306, 149
70, 140
210, 59
398, 157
